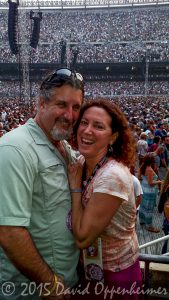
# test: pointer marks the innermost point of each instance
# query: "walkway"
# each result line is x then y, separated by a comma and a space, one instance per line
145, 236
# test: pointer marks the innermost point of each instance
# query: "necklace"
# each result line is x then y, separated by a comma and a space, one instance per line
85, 182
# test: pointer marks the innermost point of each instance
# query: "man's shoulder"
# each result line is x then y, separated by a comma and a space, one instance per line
16, 137
141, 142
158, 132
135, 179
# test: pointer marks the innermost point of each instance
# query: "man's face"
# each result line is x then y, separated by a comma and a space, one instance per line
162, 127
57, 117
167, 140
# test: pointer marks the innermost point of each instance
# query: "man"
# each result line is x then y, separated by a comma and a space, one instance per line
138, 192
160, 130
142, 147
37, 248
164, 158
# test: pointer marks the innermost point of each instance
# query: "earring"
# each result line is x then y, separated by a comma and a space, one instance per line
110, 149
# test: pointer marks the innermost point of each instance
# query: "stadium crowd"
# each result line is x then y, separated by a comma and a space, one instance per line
130, 96
138, 109
98, 88
116, 35
103, 36
97, 36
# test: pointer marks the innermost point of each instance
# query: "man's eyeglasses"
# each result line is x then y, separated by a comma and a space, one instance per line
62, 74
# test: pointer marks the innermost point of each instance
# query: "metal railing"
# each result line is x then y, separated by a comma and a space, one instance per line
149, 290
166, 237
158, 259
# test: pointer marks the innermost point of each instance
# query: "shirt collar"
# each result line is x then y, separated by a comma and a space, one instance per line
40, 137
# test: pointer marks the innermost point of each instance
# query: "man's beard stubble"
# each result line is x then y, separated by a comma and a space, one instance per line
58, 133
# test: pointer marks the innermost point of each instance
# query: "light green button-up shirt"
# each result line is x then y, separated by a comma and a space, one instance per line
34, 193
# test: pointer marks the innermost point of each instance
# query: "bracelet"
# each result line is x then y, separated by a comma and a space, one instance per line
50, 291
54, 285
76, 190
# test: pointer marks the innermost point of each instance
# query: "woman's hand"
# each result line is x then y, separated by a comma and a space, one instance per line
75, 173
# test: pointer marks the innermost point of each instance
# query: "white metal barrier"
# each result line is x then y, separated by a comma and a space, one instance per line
166, 237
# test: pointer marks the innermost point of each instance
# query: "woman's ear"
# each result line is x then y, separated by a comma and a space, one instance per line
114, 137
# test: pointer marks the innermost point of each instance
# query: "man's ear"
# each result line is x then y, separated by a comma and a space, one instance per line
41, 102
114, 137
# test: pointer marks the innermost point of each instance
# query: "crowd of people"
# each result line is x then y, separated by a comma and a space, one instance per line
68, 214
147, 117
138, 110
121, 35
104, 129
37, 217
14, 113
110, 89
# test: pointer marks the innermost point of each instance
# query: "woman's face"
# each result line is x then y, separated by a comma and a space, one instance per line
94, 133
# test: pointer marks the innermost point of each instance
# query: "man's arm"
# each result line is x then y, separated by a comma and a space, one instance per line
15, 215
20, 249
164, 163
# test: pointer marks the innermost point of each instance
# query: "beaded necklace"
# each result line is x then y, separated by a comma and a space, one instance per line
85, 182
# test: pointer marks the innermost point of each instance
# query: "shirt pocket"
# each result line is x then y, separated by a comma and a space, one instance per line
54, 182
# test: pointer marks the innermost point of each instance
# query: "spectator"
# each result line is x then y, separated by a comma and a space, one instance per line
156, 142
160, 131
107, 211
36, 244
149, 182
142, 147
164, 207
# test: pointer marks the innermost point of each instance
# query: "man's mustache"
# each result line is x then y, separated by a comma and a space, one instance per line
64, 121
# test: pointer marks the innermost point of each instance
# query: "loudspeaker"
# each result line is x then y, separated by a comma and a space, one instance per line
63, 52
36, 29
75, 55
12, 26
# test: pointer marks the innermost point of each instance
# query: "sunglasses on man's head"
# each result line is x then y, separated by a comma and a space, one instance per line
69, 73
62, 74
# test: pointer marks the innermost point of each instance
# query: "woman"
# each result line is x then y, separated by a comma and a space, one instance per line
164, 207
150, 183
103, 202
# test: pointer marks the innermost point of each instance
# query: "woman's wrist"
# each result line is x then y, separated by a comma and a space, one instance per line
158, 182
78, 190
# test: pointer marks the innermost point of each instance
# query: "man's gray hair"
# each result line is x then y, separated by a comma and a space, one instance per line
47, 94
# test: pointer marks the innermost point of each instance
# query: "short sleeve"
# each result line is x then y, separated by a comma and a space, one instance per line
16, 178
115, 181
137, 186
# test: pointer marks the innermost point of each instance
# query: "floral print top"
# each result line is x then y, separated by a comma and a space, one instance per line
119, 239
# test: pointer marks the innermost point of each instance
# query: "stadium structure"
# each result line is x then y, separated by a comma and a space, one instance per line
123, 42
38, 29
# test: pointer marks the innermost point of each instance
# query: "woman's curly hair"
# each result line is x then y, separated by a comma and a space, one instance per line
148, 160
124, 148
